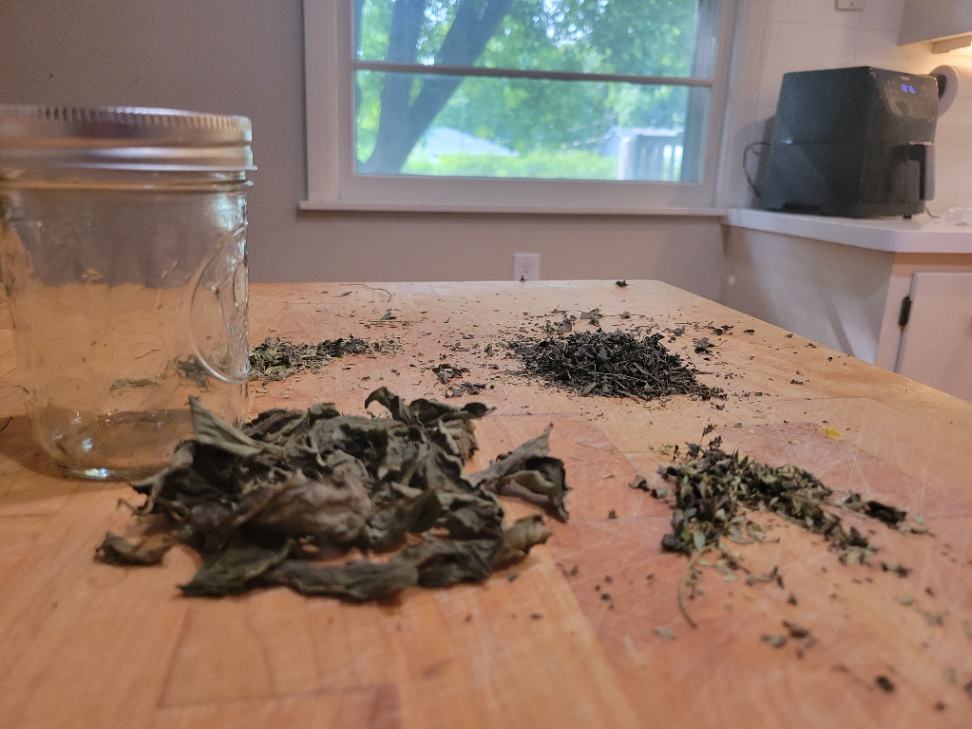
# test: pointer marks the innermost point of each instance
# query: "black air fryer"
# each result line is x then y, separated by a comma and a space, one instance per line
855, 142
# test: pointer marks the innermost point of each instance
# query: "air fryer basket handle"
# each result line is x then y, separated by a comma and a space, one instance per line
924, 154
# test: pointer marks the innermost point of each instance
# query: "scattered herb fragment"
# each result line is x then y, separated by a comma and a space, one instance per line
795, 629
640, 483
593, 316
702, 345
131, 382
276, 359
899, 569
465, 388
447, 371
884, 683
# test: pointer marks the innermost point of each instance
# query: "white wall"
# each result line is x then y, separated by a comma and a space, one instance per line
809, 34
246, 57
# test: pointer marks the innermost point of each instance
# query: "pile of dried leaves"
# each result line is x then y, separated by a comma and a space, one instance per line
274, 502
277, 359
612, 364
715, 490
715, 494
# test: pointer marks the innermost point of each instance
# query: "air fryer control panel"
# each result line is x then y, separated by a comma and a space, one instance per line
911, 96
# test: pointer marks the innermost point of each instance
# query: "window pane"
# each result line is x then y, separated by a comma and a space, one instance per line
528, 128
631, 37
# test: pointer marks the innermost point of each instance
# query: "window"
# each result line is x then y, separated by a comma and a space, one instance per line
569, 105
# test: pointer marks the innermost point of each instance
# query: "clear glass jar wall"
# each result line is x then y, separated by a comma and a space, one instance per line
128, 293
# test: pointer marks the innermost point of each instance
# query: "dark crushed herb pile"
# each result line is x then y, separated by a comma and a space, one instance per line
611, 364
274, 502
277, 359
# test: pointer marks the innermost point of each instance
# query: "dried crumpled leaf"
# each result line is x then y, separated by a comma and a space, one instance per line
270, 502
149, 549
531, 468
236, 565
518, 539
355, 581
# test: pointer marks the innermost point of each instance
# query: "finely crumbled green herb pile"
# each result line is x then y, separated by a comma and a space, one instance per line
276, 359
611, 364
715, 494
714, 491
268, 503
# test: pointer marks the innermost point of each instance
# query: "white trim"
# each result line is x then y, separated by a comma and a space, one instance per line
333, 185
530, 73
337, 206
320, 89
890, 235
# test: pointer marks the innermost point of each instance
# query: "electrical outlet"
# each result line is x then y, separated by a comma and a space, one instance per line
850, 4
526, 266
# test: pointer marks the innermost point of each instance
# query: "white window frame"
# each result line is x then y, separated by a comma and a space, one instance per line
332, 183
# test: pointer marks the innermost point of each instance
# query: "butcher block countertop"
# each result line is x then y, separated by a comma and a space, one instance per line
586, 632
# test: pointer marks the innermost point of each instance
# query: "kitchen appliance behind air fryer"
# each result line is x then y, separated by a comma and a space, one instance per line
854, 142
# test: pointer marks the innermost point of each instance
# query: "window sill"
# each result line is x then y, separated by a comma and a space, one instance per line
664, 212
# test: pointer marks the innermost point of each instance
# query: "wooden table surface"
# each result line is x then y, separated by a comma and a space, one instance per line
573, 640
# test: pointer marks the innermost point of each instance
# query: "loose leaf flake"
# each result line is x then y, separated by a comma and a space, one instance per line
531, 468
149, 549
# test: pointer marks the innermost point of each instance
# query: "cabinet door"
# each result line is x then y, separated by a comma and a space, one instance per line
936, 346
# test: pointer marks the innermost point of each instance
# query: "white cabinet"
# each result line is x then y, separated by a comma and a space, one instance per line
843, 283
936, 342
934, 20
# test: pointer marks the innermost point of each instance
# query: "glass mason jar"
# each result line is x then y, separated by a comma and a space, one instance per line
123, 251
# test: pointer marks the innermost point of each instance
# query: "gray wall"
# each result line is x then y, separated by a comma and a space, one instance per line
246, 57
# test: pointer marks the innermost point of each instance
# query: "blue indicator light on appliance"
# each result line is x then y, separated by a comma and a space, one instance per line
912, 89
904, 87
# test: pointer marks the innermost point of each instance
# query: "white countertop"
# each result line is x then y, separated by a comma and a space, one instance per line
922, 234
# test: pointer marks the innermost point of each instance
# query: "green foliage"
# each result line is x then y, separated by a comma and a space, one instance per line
552, 118
540, 163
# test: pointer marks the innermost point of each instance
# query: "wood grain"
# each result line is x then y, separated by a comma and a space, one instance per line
87, 645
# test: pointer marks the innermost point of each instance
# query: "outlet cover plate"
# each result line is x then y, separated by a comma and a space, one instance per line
526, 266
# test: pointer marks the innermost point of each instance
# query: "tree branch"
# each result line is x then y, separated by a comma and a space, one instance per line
400, 128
